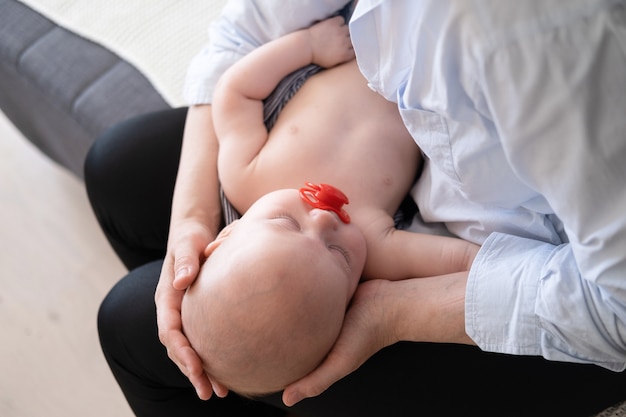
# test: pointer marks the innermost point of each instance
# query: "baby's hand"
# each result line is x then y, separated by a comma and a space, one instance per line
330, 42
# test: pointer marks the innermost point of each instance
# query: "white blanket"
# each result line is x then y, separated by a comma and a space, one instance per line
158, 37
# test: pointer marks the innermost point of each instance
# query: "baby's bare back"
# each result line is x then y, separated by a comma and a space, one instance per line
336, 130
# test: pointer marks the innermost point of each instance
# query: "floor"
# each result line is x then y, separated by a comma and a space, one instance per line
55, 268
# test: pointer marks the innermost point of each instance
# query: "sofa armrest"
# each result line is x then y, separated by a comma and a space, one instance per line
61, 90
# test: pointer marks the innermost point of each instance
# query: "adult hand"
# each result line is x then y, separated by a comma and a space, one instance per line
186, 247
368, 327
382, 312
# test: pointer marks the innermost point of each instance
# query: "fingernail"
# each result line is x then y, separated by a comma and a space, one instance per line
294, 398
181, 272
201, 395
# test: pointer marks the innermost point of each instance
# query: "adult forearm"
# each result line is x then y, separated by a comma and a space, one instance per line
430, 309
196, 195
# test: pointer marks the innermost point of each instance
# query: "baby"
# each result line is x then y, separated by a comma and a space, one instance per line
271, 297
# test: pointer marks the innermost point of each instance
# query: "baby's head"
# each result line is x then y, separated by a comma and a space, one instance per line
270, 299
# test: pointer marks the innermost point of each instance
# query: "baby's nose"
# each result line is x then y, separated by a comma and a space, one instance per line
324, 219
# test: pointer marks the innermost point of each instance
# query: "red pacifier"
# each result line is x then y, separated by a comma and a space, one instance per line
326, 197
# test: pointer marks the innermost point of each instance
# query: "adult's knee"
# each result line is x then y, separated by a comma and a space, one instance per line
98, 163
136, 160
127, 315
130, 173
109, 159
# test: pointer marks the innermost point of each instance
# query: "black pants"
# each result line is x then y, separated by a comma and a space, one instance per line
130, 174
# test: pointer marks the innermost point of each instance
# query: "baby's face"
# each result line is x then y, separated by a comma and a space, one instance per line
316, 239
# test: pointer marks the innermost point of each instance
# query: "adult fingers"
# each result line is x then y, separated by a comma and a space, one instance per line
366, 330
168, 302
335, 366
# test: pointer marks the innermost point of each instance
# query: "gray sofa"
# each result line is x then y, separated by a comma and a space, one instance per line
61, 90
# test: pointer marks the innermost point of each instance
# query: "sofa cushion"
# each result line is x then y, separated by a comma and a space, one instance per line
62, 90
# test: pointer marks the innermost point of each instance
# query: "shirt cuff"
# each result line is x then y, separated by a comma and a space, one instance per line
501, 295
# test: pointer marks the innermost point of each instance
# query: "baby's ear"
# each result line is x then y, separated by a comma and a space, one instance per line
219, 239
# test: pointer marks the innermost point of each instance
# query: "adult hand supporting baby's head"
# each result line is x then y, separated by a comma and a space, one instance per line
430, 309
367, 328
180, 268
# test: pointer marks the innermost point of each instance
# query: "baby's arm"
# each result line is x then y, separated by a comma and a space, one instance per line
238, 106
398, 254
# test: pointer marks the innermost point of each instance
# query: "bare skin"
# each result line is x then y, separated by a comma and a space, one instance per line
335, 130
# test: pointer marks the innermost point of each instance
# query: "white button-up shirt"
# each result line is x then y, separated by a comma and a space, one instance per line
242, 26
520, 110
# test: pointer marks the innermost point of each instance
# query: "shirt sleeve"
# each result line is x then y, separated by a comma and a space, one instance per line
242, 26
558, 100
